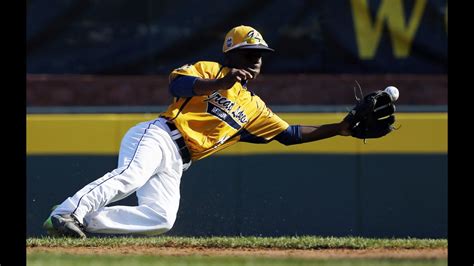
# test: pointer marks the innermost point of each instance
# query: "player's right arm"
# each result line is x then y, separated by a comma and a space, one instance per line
187, 86
207, 86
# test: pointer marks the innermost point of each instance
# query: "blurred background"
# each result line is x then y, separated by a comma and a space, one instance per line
95, 68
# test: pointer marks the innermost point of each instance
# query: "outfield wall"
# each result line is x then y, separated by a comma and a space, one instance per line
154, 37
391, 187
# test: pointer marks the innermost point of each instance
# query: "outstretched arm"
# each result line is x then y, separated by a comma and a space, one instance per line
301, 134
314, 133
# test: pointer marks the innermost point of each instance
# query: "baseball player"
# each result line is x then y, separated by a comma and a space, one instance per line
212, 109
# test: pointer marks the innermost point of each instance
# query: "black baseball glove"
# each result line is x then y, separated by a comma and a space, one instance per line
372, 117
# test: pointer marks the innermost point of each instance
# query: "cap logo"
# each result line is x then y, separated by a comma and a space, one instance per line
253, 37
228, 42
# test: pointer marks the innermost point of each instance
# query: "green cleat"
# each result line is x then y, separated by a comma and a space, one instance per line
48, 225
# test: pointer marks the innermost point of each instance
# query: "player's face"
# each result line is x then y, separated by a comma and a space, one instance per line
248, 59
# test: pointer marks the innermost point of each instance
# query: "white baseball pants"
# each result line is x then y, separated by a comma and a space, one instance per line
150, 165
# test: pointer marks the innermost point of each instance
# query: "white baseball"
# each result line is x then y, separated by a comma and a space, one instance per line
393, 92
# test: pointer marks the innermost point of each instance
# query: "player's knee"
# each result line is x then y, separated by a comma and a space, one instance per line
162, 219
163, 225
167, 227
169, 222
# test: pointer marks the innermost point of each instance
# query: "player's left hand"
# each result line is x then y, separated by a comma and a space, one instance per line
372, 117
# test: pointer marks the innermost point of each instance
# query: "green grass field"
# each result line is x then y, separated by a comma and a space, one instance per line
130, 260
50, 251
302, 242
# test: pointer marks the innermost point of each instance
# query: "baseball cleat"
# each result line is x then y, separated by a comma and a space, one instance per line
67, 225
48, 226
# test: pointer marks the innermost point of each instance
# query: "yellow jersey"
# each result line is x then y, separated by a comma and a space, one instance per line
210, 123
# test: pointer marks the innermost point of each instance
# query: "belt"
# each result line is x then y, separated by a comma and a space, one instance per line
179, 140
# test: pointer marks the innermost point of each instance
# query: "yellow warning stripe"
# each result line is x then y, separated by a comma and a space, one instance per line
101, 134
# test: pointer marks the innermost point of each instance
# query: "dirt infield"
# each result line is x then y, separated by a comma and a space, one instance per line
435, 253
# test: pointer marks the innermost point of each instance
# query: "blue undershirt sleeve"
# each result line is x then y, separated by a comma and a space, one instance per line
182, 86
290, 136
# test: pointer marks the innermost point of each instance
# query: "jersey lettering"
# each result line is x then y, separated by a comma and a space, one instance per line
221, 101
227, 104
240, 115
222, 115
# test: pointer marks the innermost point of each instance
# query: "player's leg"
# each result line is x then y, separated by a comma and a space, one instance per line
158, 199
162, 195
158, 203
142, 145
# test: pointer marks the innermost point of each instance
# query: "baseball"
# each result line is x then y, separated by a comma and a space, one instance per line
393, 92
